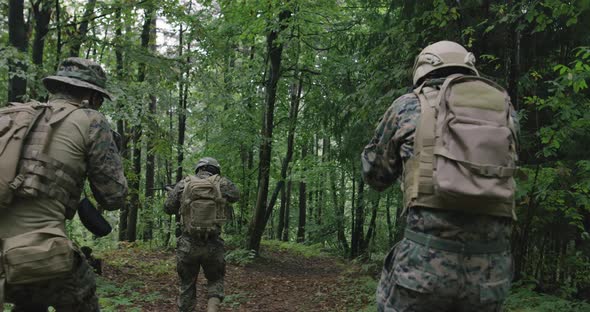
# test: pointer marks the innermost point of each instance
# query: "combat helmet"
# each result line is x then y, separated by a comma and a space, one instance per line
79, 72
207, 161
442, 54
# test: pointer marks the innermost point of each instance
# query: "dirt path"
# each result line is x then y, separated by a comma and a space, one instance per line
139, 280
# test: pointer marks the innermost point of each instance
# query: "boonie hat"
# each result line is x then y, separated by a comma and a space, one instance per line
80, 72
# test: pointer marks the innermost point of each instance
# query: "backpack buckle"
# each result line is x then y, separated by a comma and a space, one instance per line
17, 182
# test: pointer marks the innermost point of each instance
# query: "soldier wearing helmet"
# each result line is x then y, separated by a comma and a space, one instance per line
70, 142
449, 259
201, 202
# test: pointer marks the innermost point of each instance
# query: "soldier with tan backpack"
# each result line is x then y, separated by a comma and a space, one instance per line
200, 201
46, 152
453, 142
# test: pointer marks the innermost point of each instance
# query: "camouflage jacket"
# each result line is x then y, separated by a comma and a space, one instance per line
229, 191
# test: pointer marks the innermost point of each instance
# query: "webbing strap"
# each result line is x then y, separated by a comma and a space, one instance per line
454, 246
37, 155
483, 170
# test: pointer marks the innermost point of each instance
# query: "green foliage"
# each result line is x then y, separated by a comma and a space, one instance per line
307, 251
524, 299
123, 297
240, 257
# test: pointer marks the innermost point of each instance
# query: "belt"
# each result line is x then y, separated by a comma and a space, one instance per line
477, 247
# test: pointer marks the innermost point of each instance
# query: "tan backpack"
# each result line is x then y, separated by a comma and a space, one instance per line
16, 121
202, 205
27, 171
465, 148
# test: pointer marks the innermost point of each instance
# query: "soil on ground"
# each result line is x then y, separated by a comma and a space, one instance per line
278, 280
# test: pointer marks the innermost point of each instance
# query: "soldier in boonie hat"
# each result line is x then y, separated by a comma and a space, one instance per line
81, 73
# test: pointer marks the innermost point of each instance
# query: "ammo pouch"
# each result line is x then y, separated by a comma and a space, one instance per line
37, 256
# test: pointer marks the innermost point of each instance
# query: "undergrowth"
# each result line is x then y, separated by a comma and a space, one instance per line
524, 299
124, 297
306, 251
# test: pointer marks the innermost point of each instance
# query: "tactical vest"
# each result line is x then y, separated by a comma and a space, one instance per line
202, 206
40, 175
464, 149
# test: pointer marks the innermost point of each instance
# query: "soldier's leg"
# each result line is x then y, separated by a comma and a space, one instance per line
29, 307
187, 266
214, 268
73, 293
416, 278
487, 282
78, 293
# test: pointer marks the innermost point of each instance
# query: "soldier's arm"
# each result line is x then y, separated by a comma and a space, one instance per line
380, 159
229, 190
172, 204
105, 169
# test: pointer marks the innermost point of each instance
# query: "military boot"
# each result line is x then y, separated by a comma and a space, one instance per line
213, 304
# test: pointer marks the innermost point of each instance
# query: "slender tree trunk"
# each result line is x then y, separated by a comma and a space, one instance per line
150, 168
17, 84
302, 204
58, 44
42, 14
121, 123
357, 232
339, 212
137, 134
181, 111
281, 221
296, 90
371, 231
82, 30
275, 51
353, 235
285, 236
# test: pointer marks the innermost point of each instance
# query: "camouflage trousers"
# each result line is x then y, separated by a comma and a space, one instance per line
191, 255
73, 293
417, 277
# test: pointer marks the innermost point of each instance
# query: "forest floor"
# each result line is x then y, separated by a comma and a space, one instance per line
281, 279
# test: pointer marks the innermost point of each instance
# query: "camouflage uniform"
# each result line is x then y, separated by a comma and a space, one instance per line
83, 141
193, 253
420, 278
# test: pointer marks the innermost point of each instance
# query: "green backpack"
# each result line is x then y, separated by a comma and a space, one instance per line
202, 205
16, 121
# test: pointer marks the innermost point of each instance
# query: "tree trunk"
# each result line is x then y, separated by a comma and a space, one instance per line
281, 221
339, 212
58, 44
121, 123
285, 236
371, 231
17, 36
302, 204
357, 233
137, 134
296, 89
150, 168
275, 51
82, 30
42, 12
